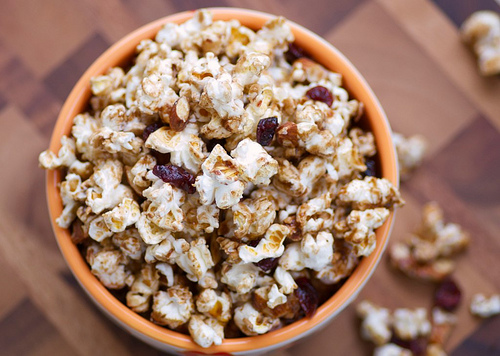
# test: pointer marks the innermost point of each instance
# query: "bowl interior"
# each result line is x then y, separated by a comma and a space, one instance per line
376, 122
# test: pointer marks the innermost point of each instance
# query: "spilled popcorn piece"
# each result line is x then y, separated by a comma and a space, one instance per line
485, 307
428, 252
481, 31
410, 151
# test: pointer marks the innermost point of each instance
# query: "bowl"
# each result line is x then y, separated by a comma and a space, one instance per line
171, 341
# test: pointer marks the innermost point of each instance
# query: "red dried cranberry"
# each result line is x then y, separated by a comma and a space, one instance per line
307, 295
267, 264
150, 129
417, 346
214, 142
320, 93
177, 176
161, 158
294, 52
266, 129
371, 169
447, 295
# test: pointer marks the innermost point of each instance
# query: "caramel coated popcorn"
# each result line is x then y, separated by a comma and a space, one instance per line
217, 181
428, 252
481, 31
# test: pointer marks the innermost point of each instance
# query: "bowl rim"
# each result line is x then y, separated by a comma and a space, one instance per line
352, 286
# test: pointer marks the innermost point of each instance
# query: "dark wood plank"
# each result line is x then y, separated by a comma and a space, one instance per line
458, 11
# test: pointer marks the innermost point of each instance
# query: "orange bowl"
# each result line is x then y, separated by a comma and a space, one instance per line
171, 341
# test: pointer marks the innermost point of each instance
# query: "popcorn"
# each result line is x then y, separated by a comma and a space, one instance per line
410, 324
314, 253
442, 323
130, 243
257, 165
391, 350
205, 331
196, 261
109, 266
220, 180
427, 253
185, 147
250, 218
240, 277
172, 307
262, 211
285, 280
410, 152
369, 193
120, 217
164, 210
482, 32
376, 325
251, 322
65, 157
343, 262
358, 229
271, 246
215, 305
485, 307
143, 288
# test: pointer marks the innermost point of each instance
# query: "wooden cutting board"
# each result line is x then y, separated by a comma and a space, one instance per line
410, 53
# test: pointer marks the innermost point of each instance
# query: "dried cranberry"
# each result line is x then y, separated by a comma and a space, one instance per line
161, 158
294, 52
416, 346
447, 295
320, 93
371, 169
150, 129
77, 234
307, 295
214, 142
266, 129
267, 264
177, 176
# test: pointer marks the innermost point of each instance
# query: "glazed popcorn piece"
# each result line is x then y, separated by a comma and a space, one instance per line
172, 307
123, 215
391, 350
142, 289
369, 193
257, 165
376, 322
410, 151
165, 208
481, 31
216, 305
185, 147
220, 178
196, 261
485, 307
64, 158
271, 246
442, 324
205, 331
109, 266
311, 252
427, 253
251, 322
130, 243
410, 324
358, 229
241, 277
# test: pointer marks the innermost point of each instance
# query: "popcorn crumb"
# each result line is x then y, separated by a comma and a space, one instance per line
485, 307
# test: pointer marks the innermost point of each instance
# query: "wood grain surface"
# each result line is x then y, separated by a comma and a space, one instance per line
409, 52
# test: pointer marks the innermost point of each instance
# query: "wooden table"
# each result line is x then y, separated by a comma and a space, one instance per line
410, 53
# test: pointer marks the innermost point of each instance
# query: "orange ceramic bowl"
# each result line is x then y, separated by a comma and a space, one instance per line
171, 341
